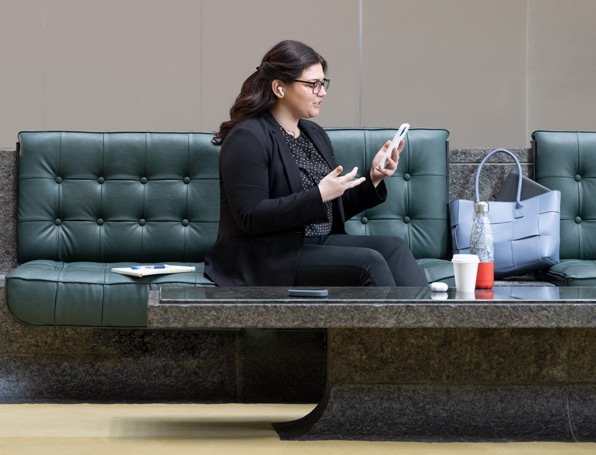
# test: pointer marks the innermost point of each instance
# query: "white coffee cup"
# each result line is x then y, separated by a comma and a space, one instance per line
465, 268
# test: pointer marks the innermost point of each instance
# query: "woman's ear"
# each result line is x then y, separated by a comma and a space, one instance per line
277, 88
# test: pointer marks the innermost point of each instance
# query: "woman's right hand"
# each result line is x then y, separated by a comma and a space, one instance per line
334, 185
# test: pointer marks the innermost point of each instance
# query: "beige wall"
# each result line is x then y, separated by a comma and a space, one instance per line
235, 34
460, 67
490, 71
562, 65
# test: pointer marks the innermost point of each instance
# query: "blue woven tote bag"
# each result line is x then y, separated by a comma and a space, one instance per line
525, 232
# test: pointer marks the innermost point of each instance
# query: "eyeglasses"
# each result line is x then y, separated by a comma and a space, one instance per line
316, 85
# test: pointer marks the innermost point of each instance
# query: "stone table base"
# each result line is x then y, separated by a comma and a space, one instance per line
507, 364
438, 385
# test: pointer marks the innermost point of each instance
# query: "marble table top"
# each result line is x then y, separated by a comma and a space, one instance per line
372, 307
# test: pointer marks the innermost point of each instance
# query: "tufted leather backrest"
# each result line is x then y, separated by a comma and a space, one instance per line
109, 197
416, 206
566, 161
148, 197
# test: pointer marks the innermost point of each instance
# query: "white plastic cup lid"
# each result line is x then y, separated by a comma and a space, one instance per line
465, 258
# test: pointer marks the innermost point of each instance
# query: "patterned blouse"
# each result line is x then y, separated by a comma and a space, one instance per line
313, 168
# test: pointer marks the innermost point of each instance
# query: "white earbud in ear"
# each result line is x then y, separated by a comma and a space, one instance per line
281, 90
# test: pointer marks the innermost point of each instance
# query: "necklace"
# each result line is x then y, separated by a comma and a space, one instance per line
292, 132
289, 132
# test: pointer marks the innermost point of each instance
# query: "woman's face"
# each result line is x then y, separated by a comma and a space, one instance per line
299, 98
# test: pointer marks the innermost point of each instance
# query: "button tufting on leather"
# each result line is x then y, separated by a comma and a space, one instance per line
185, 222
578, 178
407, 177
578, 219
186, 180
407, 219
364, 220
100, 221
142, 222
58, 179
100, 180
144, 180
57, 221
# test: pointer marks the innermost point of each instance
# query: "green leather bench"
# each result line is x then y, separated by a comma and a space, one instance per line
92, 201
566, 161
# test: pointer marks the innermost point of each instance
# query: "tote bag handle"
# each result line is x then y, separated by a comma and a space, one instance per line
519, 208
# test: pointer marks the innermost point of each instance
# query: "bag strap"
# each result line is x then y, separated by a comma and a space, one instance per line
519, 208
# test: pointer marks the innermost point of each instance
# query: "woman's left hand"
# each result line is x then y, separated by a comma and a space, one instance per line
377, 174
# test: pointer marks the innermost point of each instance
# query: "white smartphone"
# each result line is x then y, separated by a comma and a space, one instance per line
399, 136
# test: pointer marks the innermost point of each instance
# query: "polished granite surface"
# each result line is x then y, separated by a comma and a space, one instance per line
374, 307
407, 364
173, 295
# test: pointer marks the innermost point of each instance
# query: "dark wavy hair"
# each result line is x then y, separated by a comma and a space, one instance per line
285, 61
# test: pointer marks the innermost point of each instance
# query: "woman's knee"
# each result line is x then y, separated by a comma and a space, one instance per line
376, 270
388, 245
398, 242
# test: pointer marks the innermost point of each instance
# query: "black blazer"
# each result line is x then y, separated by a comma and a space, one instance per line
263, 208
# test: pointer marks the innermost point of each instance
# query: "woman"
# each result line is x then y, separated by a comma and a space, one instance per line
283, 200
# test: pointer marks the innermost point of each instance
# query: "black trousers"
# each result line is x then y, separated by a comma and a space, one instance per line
355, 260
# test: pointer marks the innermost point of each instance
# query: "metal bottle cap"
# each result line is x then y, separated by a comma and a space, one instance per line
481, 207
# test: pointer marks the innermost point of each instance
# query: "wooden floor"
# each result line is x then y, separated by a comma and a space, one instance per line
202, 429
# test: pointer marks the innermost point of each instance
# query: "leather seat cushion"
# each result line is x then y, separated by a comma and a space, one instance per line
573, 272
437, 270
51, 293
